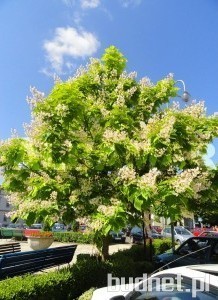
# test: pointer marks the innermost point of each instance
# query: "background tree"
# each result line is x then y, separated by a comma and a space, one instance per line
106, 147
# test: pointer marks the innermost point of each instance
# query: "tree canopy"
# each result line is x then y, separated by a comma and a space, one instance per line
106, 146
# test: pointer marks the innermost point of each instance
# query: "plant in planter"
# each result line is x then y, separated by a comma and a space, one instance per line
40, 240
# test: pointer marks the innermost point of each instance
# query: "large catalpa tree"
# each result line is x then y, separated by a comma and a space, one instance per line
108, 147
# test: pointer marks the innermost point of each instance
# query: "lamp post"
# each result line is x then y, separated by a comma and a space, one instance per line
185, 97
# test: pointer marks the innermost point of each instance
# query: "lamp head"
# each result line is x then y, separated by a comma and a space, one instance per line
186, 96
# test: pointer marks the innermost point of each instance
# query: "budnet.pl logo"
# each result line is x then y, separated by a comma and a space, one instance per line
166, 283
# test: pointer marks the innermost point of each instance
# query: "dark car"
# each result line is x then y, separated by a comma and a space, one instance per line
59, 227
136, 235
119, 236
195, 250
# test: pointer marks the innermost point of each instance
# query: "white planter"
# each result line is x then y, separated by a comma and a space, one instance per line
39, 243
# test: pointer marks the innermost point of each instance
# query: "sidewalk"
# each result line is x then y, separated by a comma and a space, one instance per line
81, 248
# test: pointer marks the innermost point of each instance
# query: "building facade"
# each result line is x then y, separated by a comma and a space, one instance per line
4, 209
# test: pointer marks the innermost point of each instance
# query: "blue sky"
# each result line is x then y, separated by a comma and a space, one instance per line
40, 38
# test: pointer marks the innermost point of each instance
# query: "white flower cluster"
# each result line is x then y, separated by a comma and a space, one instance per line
85, 187
68, 144
79, 208
145, 82
126, 173
83, 220
34, 206
104, 112
167, 129
149, 179
154, 119
195, 109
120, 102
62, 110
96, 224
114, 136
144, 145
170, 76
115, 202
37, 96
183, 180
79, 72
107, 211
204, 136
202, 183
131, 75
13, 198
178, 156
34, 129
53, 196
96, 201
74, 196
130, 92
57, 79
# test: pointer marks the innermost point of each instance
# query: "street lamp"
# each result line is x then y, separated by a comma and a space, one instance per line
185, 95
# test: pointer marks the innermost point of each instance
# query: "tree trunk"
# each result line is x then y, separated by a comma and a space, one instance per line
105, 247
147, 229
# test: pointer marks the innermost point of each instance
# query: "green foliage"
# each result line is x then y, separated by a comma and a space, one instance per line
114, 60
87, 295
76, 237
161, 246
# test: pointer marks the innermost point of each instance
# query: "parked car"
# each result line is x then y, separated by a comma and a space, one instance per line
119, 236
36, 226
136, 235
180, 283
157, 228
181, 234
59, 227
196, 250
198, 230
15, 225
209, 233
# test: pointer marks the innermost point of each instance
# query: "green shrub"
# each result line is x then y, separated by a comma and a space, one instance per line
87, 274
136, 253
74, 237
87, 295
67, 283
84, 257
161, 246
50, 286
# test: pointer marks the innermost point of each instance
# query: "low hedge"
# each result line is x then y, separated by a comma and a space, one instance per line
66, 284
74, 237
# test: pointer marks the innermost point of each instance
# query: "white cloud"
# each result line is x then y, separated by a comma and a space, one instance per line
69, 43
90, 3
127, 3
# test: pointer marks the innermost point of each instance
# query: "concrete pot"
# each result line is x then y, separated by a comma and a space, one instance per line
39, 243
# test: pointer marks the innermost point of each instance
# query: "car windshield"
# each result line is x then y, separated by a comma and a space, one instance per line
182, 231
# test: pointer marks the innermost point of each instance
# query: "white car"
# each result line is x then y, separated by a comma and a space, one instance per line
181, 234
198, 282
